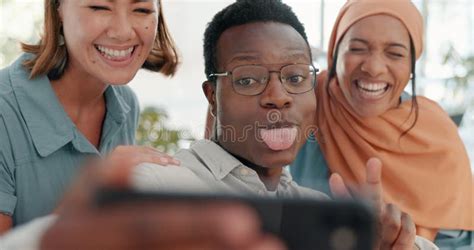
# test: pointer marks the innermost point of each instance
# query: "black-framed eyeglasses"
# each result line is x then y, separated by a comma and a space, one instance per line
253, 79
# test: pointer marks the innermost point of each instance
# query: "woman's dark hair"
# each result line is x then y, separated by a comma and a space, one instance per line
414, 103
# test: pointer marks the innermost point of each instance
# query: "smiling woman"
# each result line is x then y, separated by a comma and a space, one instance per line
374, 64
363, 112
64, 100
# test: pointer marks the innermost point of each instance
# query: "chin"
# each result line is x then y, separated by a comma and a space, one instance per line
277, 160
119, 80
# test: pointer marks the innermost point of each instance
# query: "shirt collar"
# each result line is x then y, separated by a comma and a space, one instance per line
117, 107
49, 125
219, 161
47, 122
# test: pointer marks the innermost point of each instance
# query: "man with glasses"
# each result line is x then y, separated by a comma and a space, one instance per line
260, 89
260, 83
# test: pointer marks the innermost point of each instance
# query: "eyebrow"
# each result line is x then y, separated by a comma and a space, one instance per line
392, 44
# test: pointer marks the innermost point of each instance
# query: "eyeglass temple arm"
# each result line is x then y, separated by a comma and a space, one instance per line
219, 74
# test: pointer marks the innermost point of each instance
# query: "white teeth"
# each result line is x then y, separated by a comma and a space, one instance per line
111, 53
372, 87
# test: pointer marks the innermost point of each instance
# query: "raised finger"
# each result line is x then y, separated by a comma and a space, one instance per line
117, 172
161, 156
338, 187
406, 238
374, 183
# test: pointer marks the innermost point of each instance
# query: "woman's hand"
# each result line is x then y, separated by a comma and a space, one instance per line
121, 161
134, 155
396, 230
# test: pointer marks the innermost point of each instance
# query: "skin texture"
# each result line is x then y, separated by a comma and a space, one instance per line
113, 24
6, 223
204, 226
395, 229
116, 24
239, 117
375, 49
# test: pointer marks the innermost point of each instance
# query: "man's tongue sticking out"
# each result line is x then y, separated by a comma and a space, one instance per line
279, 138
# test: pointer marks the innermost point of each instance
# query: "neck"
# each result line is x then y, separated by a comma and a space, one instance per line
269, 176
79, 94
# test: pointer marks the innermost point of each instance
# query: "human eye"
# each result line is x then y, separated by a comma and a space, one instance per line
295, 75
98, 7
144, 7
357, 49
396, 54
245, 82
295, 79
144, 10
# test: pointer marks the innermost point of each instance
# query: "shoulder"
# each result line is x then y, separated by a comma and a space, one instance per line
424, 103
428, 104
157, 178
430, 112
15, 69
14, 135
14, 75
5, 82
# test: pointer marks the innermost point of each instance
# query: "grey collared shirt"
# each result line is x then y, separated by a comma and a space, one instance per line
206, 167
40, 147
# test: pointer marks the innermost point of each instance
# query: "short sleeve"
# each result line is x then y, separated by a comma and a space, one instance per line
7, 178
7, 188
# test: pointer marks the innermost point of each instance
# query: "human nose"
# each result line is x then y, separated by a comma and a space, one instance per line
275, 96
374, 65
121, 27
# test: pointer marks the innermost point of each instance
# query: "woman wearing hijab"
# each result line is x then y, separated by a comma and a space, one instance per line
64, 100
363, 112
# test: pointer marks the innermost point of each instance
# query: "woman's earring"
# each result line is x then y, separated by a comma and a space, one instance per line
411, 75
61, 40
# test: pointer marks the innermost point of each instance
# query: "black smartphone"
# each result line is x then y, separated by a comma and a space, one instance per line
301, 223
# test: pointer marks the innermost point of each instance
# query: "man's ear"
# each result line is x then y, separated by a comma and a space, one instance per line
209, 89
